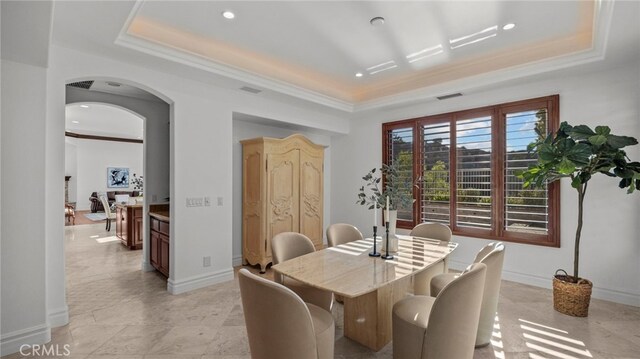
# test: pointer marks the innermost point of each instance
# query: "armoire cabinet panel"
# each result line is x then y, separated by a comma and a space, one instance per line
282, 192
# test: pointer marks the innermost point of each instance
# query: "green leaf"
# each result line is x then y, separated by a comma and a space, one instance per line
546, 153
579, 154
621, 141
623, 172
566, 167
581, 132
576, 182
603, 130
598, 140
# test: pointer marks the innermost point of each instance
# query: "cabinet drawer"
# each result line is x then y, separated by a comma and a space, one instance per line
155, 224
163, 227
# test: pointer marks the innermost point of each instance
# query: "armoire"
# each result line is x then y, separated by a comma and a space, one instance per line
282, 191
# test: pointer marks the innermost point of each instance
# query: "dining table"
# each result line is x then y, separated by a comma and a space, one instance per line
369, 285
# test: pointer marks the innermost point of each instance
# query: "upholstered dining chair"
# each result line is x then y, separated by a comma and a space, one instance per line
280, 325
107, 211
341, 233
288, 245
442, 327
437, 231
492, 255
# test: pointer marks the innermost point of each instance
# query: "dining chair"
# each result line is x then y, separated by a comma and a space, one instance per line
341, 233
107, 211
440, 327
492, 255
289, 245
280, 325
437, 231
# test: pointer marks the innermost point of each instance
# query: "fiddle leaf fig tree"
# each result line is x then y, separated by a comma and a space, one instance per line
579, 153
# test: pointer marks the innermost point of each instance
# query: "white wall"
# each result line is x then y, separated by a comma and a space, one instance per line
243, 130
610, 246
23, 301
92, 159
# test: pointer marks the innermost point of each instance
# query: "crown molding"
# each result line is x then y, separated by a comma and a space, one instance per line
601, 27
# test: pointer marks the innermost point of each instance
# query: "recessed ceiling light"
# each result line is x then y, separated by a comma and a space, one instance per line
75, 121
377, 21
228, 15
358, 74
508, 26
84, 106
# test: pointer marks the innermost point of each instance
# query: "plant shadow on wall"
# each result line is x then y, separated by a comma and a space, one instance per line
579, 153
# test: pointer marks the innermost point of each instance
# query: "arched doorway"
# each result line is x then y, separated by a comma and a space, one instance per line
155, 110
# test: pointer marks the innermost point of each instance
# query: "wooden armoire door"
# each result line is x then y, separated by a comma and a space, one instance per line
311, 196
253, 250
283, 193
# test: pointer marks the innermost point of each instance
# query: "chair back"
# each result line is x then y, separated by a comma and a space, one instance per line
279, 324
454, 317
494, 260
341, 233
288, 245
105, 204
437, 231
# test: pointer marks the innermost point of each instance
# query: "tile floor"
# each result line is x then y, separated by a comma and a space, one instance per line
118, 311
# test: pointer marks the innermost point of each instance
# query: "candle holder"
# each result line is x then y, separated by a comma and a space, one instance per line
375, 253
386, 255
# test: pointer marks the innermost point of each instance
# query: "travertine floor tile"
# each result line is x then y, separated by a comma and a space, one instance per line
117, 311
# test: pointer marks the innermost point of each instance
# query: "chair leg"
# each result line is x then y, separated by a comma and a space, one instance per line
108, 225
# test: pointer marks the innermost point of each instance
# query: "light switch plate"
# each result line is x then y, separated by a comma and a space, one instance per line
220, 201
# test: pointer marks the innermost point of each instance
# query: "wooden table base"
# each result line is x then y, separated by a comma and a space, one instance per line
367, 318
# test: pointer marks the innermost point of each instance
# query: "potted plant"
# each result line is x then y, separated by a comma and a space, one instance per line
396, 187
579, 153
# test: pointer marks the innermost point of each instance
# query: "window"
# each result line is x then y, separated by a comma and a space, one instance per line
475, 189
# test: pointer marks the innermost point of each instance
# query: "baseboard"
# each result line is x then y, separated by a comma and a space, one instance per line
10, 343
147, 267
199, 281
59, 317
611, 295
236, 261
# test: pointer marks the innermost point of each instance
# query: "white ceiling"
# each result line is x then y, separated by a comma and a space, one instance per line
103, 120
311, 50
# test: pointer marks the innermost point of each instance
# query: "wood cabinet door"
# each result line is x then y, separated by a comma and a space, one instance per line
252, 205
118, 222
137, 231
122, 217
283, 193
311, 196
154, 250
163, 256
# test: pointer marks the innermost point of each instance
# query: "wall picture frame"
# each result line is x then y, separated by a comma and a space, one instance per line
117, 177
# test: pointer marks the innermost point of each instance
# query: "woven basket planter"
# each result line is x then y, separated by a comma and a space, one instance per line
571, 298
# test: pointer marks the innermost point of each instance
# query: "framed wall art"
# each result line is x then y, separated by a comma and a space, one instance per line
117, 177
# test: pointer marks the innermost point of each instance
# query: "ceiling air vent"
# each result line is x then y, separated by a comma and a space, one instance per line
449, 96
82, 84
250, 89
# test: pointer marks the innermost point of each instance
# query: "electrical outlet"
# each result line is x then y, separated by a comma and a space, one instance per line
207, 201
206, 261
219, 201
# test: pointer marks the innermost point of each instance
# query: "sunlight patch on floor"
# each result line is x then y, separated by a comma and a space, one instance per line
549, 340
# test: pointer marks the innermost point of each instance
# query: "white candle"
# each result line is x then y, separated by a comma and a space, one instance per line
375, 214
386, 212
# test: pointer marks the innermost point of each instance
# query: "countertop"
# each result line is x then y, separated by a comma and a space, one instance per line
137, 205
161, 215
160, 211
